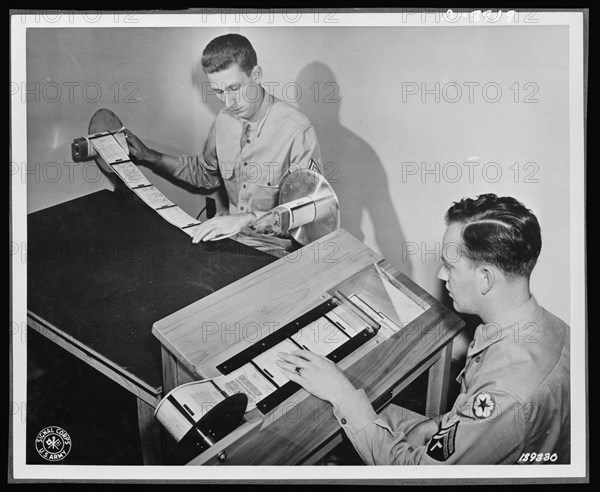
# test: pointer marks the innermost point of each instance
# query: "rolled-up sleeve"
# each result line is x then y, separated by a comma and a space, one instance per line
486, 428
305, 152
201, 170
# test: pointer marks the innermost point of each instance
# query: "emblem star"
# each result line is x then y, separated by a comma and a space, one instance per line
483, 404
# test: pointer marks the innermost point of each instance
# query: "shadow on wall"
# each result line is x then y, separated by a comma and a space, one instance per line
350, 165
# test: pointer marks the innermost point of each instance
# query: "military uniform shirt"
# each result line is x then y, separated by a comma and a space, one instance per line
252, 158
514, 400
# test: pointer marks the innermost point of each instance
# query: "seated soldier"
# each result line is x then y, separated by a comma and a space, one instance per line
515, 394
255, 141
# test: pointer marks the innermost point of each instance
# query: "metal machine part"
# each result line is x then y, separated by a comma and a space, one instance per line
103, 120
308, 206
218, 422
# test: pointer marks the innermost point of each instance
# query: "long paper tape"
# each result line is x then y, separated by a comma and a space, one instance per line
111, 147
258, 378
186, 404
91, 150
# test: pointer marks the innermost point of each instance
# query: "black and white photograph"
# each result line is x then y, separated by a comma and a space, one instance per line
298, 245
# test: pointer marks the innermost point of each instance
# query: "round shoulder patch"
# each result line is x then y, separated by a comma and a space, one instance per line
483, 405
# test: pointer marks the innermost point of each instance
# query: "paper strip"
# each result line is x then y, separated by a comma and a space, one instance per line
153, 197
113, 148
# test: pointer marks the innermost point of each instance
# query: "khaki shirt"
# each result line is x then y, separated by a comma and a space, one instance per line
252, 158
514, 401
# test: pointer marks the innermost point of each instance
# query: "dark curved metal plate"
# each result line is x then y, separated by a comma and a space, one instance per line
219, 421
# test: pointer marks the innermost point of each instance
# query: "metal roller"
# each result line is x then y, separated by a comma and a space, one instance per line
103, 120
308, 207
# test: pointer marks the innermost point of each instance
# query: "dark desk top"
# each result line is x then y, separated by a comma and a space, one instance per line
104, 267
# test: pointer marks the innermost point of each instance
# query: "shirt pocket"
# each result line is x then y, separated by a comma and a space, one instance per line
264, 197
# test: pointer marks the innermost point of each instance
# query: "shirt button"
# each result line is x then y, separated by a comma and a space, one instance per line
477, 359
247, 141
241, 208
245, 163
343, 421
243, 186
268, 184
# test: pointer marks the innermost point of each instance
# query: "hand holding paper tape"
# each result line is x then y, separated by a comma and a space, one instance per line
308, 206
108, 146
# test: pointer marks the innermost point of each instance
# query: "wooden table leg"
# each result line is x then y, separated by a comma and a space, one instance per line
437, 386
174, 374
149, 433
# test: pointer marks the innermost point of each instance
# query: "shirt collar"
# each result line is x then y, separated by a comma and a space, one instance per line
264, 108
502, 328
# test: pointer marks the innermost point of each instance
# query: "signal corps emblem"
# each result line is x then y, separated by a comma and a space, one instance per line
53, 443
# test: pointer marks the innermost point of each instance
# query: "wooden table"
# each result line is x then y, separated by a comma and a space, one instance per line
102, 269
302, 429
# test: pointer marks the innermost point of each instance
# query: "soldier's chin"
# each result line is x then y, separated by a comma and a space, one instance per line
455, 305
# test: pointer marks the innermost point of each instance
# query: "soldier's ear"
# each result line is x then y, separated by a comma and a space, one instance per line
256, 74
488, 278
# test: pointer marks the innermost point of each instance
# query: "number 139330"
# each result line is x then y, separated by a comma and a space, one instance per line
538, 457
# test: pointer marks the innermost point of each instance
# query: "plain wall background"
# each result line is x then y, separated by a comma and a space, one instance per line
366, 130
145, 76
